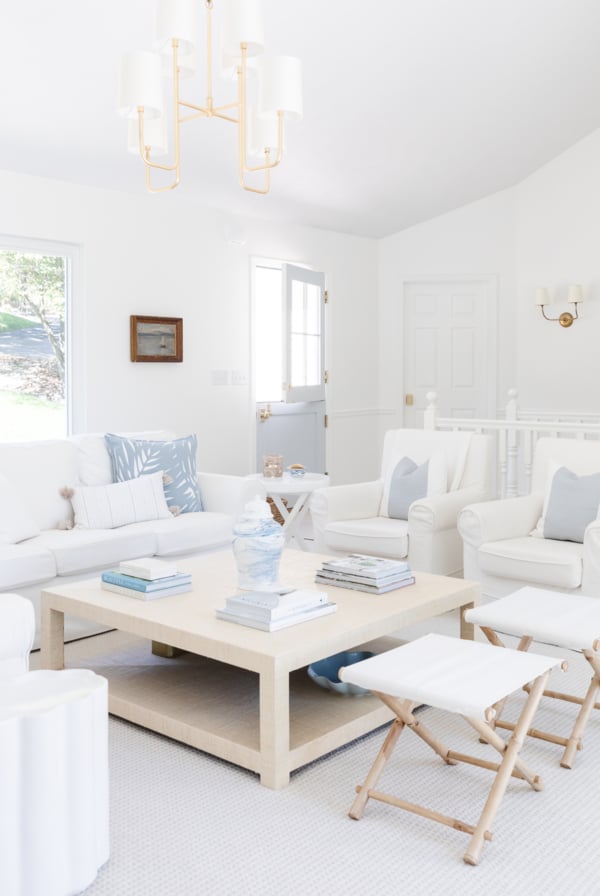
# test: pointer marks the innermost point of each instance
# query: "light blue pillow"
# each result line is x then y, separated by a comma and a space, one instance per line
408, 483
131, 458
572, 505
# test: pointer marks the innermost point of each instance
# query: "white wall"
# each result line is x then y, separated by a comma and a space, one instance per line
159, 255
558, 240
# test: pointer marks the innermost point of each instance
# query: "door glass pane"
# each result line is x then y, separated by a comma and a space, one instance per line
305, 359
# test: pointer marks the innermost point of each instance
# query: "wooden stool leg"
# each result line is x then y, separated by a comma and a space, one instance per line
503, 774
589, 701
377, 768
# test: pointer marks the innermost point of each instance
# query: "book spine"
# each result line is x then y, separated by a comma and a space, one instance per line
373, 575
364, 580
251, 611
144, 595
275, 625
146, 573
132, 582
368, 589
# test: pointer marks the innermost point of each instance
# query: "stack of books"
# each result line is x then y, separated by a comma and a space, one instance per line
270, 611
146, 579
363, 573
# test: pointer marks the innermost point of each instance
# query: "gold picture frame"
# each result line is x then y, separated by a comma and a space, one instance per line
156, 338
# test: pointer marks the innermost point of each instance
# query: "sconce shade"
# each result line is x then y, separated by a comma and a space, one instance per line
576, 293
541, 296
280, 87
177, 18
242, 23
140, 85
263, 133
155, 135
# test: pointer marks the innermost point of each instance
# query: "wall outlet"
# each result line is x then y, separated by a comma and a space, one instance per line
238, 378
219, 377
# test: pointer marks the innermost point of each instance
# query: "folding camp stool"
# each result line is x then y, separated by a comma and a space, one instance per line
569, 621
464, 677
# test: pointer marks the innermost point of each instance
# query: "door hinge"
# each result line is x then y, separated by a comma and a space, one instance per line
326, 421
326, 377
325, 295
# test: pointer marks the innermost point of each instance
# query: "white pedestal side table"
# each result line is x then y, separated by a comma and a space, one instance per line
298, 487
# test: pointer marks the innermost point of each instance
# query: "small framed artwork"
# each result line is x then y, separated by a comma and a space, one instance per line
156, 338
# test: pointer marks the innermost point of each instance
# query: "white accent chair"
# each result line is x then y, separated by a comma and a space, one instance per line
348, 519
53, 767
499, 549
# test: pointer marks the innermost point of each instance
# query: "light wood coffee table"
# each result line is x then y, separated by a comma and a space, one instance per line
239, 693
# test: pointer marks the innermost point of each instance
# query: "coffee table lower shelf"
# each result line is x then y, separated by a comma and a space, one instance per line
214, 706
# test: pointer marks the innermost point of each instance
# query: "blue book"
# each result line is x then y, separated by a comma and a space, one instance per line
113, 577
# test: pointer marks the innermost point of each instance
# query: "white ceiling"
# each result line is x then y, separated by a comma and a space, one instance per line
411, 107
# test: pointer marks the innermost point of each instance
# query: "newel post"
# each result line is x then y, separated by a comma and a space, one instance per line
512, 471
430, 413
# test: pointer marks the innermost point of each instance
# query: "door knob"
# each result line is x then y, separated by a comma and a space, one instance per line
409, 399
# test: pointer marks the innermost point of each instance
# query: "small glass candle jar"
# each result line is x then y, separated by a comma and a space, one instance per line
272, 465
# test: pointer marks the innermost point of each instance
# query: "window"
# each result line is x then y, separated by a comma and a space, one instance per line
35, 284
289, 333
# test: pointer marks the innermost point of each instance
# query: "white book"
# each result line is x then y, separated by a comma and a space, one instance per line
365, 565
276, 624
146, 595
360, 586
258, 605
148, 568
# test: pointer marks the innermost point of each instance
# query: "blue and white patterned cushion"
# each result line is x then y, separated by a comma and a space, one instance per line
131, 458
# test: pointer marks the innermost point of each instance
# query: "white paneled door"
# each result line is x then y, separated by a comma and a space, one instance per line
450, 347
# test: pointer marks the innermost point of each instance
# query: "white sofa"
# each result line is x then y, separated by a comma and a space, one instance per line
348, 518
37, 471
500, 550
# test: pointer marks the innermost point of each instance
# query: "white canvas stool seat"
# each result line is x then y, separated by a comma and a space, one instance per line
462, 677
570, 621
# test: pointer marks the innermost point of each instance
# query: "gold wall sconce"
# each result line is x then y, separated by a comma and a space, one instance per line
575, 297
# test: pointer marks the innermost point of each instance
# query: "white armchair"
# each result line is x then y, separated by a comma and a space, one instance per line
500, 550
352, 518
53, 767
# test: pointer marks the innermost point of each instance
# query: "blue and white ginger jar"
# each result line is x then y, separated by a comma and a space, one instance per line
257, 545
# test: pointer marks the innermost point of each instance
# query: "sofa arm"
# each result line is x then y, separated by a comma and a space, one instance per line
591, 560
228, 494
500, 519
441, 511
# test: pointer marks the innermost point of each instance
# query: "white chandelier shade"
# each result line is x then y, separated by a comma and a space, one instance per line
276, 94
280, 87
155, 136
242, 24
141, 85
177, 19
263, 134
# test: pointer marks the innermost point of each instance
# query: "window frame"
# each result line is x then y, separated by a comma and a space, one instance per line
74, 331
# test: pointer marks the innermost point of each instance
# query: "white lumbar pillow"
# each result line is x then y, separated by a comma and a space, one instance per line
111, 506
16, 523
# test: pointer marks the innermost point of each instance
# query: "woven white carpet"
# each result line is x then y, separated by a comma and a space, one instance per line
186, 823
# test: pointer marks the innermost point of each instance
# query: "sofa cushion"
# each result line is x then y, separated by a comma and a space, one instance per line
538, 561
93, 460
177, 458
25, 564
39, 470
378, 535
120, 503
87, 550
16, 523
189, 532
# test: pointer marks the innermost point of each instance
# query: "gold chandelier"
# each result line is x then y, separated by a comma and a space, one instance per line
259, 126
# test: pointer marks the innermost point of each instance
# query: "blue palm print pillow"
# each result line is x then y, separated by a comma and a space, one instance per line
131, 458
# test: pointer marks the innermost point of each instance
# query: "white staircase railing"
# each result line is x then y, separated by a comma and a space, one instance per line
515, 437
